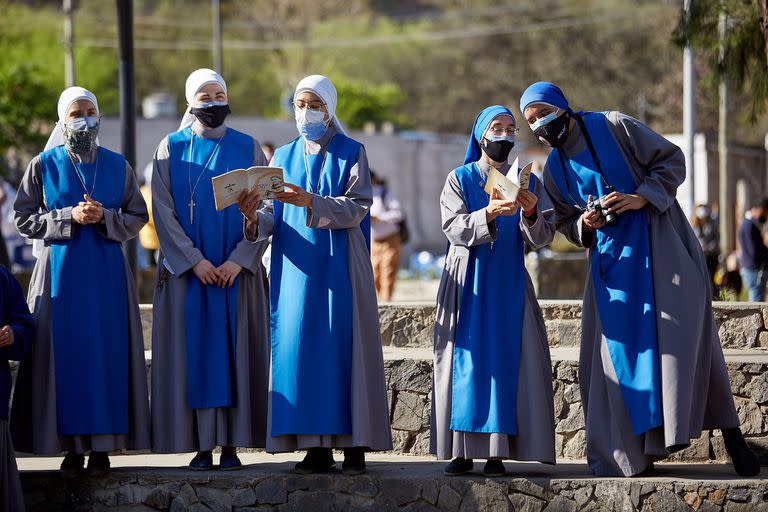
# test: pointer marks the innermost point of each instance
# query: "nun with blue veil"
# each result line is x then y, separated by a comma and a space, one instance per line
82, 388
327, 387
652, 374
210, 330
492, 395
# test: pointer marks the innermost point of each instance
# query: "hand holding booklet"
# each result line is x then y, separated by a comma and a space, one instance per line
508, 187
227, 187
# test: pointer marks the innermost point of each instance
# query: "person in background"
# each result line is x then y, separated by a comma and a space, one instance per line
4, 259
148, 235
269, 150
705, 229
386, 216
16, 337
754, 253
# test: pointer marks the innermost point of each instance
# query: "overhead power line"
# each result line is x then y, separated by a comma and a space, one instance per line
453, 34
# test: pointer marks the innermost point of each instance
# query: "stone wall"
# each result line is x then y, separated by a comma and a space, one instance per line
409, 384
741, 325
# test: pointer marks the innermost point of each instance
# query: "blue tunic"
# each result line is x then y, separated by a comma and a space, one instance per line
486, 354
89, 300
210, 312
311, 299
621, 271
14, 312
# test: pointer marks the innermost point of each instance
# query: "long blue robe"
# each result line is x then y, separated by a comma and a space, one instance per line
311, 299
486, 357
210, 311
622, 275
89, 304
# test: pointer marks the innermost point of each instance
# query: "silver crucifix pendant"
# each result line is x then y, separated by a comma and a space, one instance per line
191, 211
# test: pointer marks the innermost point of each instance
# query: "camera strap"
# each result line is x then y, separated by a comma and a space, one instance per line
592, 152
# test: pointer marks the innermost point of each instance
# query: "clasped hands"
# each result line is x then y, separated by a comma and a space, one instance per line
88, 211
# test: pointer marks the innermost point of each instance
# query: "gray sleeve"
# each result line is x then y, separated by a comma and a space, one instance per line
662, 162
125, 223
246, 253
347, 211
461, 227
177, 248
262, 229
32, 217
542, 231
567, 217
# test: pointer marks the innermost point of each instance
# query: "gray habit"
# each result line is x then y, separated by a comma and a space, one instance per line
11, 496
695, 390
370, 413
176, 427
33, 412
535, 440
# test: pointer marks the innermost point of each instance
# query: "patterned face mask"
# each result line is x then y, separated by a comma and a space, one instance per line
80, 134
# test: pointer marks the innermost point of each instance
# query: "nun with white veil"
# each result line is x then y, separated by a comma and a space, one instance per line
210, 330
83, 386
327, 375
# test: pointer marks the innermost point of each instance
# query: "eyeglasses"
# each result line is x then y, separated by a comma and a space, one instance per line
499, 131
312, 105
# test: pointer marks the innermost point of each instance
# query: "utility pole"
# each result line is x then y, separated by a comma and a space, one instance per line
689, 113
127, 99
727, 241
69, 44
216, 20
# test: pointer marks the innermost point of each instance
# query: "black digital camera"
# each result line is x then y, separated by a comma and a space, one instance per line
598, 205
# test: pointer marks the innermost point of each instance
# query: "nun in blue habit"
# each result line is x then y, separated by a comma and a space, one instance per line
83, 386
327, 388
210, 328
651, 370
492, 396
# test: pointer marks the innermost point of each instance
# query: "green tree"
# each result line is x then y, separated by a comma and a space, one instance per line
22, 113
742, 55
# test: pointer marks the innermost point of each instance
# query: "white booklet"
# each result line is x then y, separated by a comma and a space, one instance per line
509, 186
228, 187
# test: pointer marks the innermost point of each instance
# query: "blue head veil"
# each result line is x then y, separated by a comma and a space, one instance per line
482, 121
544, 92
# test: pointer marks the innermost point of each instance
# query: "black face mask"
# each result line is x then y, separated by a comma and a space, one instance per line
498, 151
212, 116
555, 133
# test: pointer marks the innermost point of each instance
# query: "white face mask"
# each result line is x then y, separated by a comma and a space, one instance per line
82, 123
544, 120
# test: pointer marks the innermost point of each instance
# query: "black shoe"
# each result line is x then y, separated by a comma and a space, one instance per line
494, 468
317, 460
354, 461
229, 461
73, 464
203, 461
459, 466
98, 464
744, 460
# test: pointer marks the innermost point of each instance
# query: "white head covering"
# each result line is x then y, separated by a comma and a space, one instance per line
324, 89
196, 81
67, 98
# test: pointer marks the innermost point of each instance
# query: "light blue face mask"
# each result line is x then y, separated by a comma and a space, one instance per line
545, 120
310, 123
83, 123
499, 138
